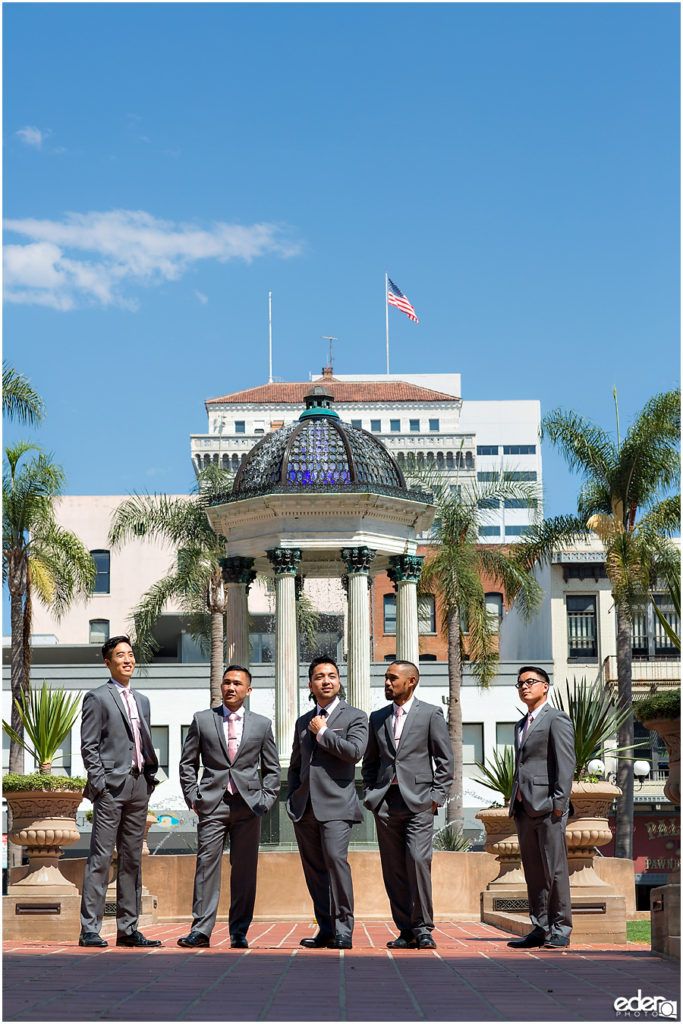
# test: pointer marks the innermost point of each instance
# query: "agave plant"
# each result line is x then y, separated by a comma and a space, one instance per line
596, 718
448, 838
497, 772
47, 718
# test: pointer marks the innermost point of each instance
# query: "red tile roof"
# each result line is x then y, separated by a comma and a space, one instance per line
343, 391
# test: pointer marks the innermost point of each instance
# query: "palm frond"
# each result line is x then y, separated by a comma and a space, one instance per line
586, 447
20, 401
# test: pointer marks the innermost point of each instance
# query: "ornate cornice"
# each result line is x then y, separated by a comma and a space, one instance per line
358, 560
285, 561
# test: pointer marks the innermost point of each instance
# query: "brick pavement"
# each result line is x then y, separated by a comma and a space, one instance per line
471, 976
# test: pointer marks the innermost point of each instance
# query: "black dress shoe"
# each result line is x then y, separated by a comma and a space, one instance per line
558, 943
238, 942
341, 942
404, 941
318, 942
425, 942
91, 939
531, 941
194, 940
137, 940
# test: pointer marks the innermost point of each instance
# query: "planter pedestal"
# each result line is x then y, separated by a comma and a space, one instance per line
665, 900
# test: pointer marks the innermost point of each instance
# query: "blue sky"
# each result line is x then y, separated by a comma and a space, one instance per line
514, 167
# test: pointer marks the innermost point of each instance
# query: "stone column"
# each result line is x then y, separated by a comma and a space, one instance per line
238, 577
404, 572
358, 665
285, 562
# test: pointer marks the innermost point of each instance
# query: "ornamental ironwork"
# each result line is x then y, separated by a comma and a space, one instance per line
358, 560
404, 567
285, 561
238, 570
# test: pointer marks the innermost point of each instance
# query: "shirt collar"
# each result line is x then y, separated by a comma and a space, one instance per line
404, 707
238, 714
120, 686
329, 709
537, 710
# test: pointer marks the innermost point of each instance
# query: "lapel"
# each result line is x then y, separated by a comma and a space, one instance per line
415, 712
540, 719
146, 734
247, 724
389, 726
340, 706
218, 720
118, 699
307, 740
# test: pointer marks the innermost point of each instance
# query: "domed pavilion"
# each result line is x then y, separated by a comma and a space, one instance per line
320, 497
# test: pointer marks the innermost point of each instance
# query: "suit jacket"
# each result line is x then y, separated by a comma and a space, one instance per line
107, 742
423, 764
206, 739
544, 763
324, 768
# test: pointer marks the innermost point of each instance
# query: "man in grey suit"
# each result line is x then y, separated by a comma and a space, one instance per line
407, 772
321, 801
119, 758
540, 804
230, 799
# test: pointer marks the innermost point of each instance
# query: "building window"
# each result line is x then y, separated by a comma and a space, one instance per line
519, 449
99, 631
426, 614
581, 628
376, 426
5, 753
487, 449
357, 423
489, 531
433, 424
649, 639
390, 614
61, 764
494, 610
488, 503
160, 743
415, 426
487, 476
472, 743
395, 426
664, 645
520, 503
259, 426
519, 474
240, 426
101, 560
505, 735
516, 531
427, 657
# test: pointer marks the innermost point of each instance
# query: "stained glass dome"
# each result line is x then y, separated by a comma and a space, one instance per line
320, 453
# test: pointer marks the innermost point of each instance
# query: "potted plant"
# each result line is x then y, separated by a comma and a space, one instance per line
661, 712
497, 773
43, 805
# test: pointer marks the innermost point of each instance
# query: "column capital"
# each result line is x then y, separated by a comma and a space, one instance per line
238, 570
285, 561
358, 560
404, 568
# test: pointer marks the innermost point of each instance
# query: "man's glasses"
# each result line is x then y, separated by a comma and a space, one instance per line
528, 682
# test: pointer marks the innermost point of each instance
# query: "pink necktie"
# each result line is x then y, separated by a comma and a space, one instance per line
521, 741
133, 715
232, 745
397, 725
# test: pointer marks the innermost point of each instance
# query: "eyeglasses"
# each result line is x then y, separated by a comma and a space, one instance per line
528, 682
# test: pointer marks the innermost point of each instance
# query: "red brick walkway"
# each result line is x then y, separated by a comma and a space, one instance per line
471, 976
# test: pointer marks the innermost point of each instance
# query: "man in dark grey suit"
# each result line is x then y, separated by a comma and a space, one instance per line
230, 799
407, 772
322, 802
119, 758
540, 805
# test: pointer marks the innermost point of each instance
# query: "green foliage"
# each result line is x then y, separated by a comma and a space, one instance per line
497, 772
14, 783
47, 719
666, 704
19, 400
449, 838
596, 718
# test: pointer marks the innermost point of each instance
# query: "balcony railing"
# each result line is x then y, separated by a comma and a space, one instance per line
652, 673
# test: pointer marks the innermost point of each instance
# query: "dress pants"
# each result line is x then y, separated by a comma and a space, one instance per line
543, 846
324, 850
405, 849
119, 817
235, 818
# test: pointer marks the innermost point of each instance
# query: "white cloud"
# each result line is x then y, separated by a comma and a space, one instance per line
202, 297
32, 136
93, 258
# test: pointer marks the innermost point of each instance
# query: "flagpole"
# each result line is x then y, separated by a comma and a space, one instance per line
270, 338
386, 312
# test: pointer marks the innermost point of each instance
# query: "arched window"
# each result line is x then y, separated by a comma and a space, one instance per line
101, 560
494, 610
99, 631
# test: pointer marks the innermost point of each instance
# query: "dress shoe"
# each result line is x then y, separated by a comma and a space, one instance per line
194, 940
425, 942
341, 942
404, 941
92, 939
561, 942
137, 940
238, 942
318, 942
531, 941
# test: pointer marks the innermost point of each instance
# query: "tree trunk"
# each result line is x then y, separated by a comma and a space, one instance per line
623, 840
454, 812
16, 753
217, 629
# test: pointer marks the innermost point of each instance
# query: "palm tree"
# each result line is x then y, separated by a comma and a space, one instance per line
195, 582
39, 558
623, 500
19, 400
455, 571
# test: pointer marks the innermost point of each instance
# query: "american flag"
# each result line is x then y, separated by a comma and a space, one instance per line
395, 297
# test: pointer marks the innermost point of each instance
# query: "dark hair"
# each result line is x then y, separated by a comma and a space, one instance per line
113, 642
238, 668
408, 664
534, 668
323, 659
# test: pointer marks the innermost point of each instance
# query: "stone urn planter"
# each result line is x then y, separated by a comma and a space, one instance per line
669, 730
587, 829
501, 840
44, 821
